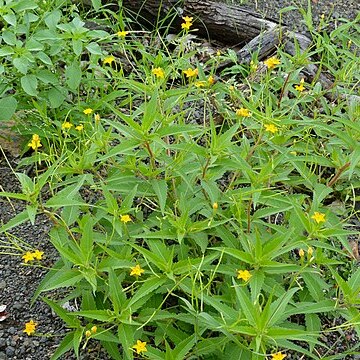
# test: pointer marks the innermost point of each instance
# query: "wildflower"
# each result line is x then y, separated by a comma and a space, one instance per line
301, 253
244, 275
29, 256
187, 24
30, 327
66, 125
253, 66
271, 128
94, 329
191, 72
215, 205
97, 117
87, 333
272, 62
88, 111
35, 142
243, 112
218, 53
158, 72
140, 346
37, 254
79, 127
199, 84
231, 87
122, 33
318, 217
136, 270
310, 251
108, 60
301, 86
278, 356
211, 80
125, 218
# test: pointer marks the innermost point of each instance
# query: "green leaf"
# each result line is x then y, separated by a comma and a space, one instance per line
150, 285
70, 320
8, 107
315, 285
278, 307
94, 49
100, 315
313, 325
73, 75
126, 337
116, 292
6, 50
249, 310
321, 191
160, 189
112, 349
65, 345
56, 96
29, 84
15, 221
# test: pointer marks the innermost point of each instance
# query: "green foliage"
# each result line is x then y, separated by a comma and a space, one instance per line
157, 205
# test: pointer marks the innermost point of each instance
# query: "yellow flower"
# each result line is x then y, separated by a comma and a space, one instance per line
188, 23
125, 218
29, 256
87, 333
158, 72
318, 217
218, 53
79, 127
278, 356
301, 253
211, 80
108, 60
30, 327
244, 275
188, 18
66, 125
37, 254
191, 72
88, 111
97, 117
243, 112
272, 62
310, 251
136, 270
140, 346
215, 205
271, 128
199, 84
35, 142
94, 329
301, 86
122, 33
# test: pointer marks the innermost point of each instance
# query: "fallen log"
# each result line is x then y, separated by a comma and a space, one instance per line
231, 25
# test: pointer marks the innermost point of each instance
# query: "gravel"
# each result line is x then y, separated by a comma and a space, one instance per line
18, 282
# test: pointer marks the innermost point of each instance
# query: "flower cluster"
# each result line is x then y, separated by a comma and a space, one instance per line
35, 142
90, 332
272, 62
30, 256
188, 23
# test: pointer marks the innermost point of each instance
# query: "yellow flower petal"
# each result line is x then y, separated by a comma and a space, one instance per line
140, 346
318, 217
244, 275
